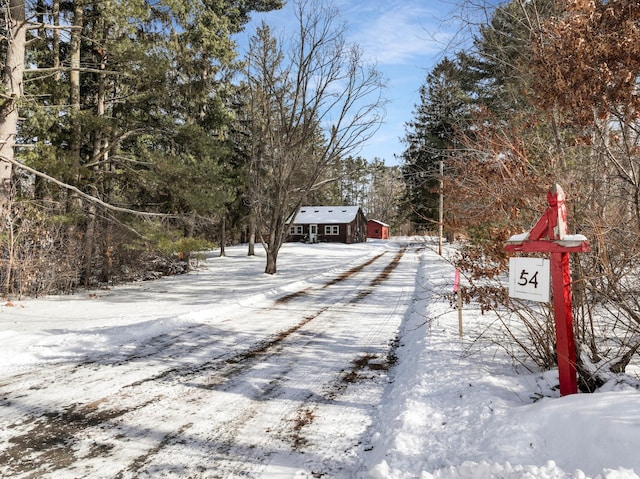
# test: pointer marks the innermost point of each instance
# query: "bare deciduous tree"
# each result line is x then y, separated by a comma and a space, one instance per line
312, 100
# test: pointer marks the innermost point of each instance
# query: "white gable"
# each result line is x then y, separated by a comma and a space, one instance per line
325, 215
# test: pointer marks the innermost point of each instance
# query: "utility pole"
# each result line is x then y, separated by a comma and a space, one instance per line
441, 212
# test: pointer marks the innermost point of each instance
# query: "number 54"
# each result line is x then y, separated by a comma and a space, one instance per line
524, 279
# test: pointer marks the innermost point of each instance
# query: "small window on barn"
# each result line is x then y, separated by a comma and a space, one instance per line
331, 229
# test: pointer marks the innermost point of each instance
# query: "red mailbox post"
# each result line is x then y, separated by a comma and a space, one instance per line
549, 235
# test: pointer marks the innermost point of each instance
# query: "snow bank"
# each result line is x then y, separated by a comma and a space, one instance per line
459, 413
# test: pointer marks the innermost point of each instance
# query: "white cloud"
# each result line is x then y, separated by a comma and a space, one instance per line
395, 32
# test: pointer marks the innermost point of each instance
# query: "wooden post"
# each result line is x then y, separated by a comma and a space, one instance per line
562, 299
565, 344
460, 312
458, 291
550, 235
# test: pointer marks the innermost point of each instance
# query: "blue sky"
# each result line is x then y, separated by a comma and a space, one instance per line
406, 38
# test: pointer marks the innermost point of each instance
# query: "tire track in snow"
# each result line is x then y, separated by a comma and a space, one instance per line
226, 368
295, 412
232, 458
367, 369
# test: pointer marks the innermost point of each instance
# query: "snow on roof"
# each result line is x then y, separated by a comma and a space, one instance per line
380, 223
325, 214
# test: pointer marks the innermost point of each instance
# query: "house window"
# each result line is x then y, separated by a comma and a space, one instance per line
331, 229
296, 230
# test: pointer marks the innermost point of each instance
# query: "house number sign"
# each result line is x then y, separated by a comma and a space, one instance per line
529, 278
549, 235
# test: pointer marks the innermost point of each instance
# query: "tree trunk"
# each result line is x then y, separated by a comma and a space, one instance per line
42, 187
223, 235
273, 248
99, 157
74, 82
12, 76
252, 235
191, 225
55, 45
272, 258
89, 241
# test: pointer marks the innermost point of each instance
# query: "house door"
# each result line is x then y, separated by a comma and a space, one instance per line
313, 233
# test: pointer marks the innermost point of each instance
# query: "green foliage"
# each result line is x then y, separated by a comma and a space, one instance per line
167, 69
152, 130
431, 137
167, 239
184, 247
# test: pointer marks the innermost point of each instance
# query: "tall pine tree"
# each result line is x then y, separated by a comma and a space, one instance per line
431, 139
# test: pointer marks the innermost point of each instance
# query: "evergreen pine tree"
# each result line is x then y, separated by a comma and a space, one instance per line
431, 138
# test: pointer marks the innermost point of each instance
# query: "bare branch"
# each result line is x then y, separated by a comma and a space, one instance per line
84, 195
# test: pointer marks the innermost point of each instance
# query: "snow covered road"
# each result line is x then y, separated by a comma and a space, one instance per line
278, 383
227, 372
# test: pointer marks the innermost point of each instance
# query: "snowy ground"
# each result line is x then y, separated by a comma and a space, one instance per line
346, 364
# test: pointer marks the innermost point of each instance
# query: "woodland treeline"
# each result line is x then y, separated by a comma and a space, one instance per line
132, 133
548, 92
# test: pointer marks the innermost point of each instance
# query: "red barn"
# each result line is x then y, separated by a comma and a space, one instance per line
343, 224
377, 229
